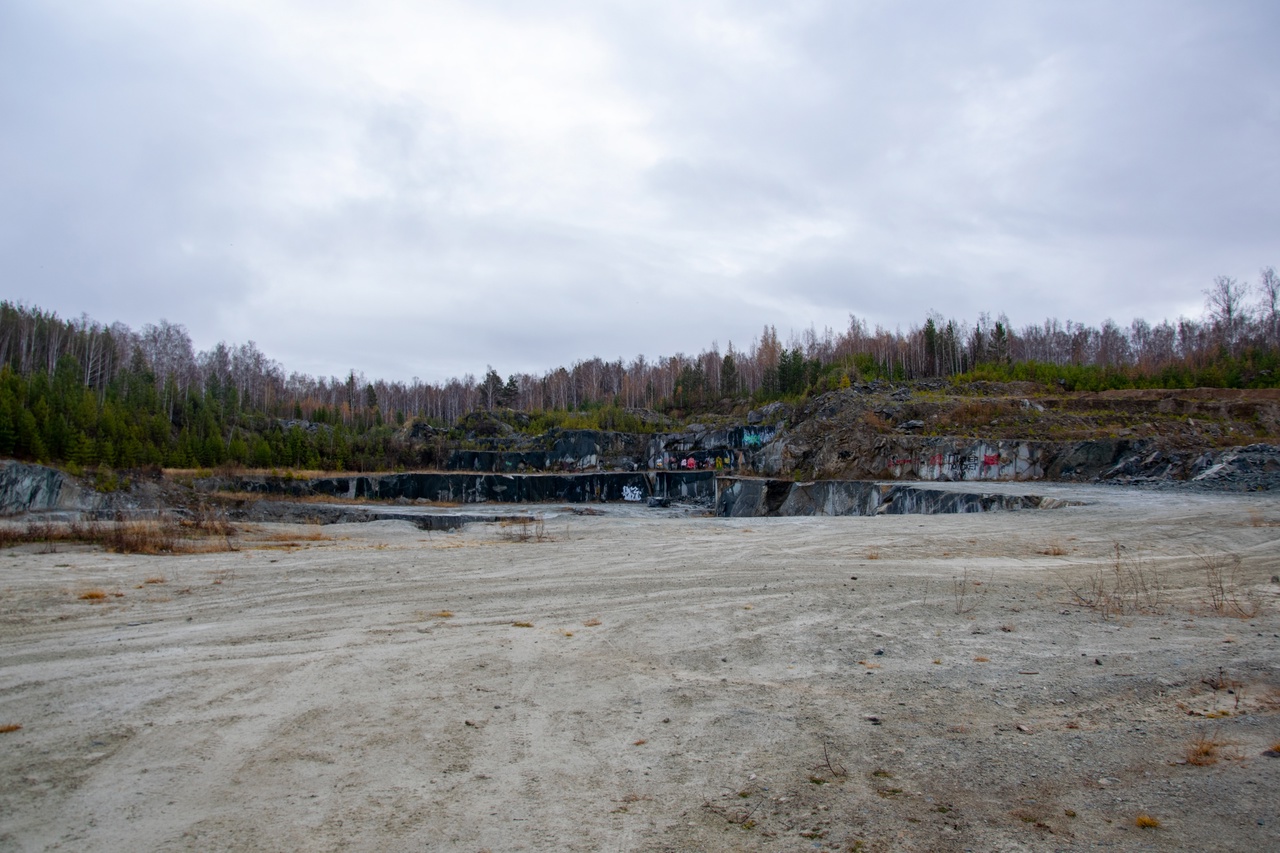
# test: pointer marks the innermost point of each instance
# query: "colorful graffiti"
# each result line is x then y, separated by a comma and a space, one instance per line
752, 437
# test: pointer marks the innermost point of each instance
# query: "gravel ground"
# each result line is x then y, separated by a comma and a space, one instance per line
653, 681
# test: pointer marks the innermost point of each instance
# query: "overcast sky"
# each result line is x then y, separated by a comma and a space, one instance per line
424, 188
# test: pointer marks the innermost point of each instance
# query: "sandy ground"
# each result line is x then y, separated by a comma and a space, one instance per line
644, 681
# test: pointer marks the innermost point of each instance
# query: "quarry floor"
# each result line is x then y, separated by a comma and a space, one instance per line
658, 681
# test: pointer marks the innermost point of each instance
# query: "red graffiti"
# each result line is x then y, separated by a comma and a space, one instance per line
902, 461
935, 459
991, 459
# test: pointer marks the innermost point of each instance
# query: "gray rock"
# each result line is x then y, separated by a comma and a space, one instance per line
35, 488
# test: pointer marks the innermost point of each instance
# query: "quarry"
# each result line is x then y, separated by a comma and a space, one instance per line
999, 643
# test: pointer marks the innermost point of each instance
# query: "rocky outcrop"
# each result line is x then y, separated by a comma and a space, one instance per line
1253, 468
34, 488
460, 488
752, 498
907, 457
288, 512
556, 450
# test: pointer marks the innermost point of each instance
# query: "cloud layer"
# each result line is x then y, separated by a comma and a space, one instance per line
420, 189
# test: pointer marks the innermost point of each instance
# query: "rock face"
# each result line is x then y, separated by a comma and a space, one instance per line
34, 488
747, 498
455, 487
1255, 467
907, 457
696, 448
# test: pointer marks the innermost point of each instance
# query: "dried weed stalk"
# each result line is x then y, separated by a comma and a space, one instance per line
960, 594
526, 528
1225, 584
833, 765
1126, 586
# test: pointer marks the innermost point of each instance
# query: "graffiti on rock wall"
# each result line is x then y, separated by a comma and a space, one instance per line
632, 493
757, 436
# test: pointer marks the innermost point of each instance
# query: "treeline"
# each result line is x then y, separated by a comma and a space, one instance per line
131, 423
88, 394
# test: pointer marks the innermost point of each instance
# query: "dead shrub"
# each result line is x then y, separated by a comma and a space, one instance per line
10, 727
960, 593
525, 528
1224, 584
93, 595
1126, 586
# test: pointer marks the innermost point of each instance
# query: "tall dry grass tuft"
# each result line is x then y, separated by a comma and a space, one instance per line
1204, 750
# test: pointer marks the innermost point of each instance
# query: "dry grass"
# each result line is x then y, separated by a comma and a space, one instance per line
203, 531
1204, 750
1053, 549
526, 528
873, 554
591, 623
294, 536
876, 422
157, 579
981, 659
93, 595
522, 624
1146, 821
443, 614
10, 727
968, 416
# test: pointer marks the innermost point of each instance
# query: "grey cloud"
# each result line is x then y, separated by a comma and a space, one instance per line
1077, 160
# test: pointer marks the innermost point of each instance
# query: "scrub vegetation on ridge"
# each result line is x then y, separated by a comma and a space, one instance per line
105, 398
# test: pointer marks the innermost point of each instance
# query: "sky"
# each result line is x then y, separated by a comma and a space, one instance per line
425, 189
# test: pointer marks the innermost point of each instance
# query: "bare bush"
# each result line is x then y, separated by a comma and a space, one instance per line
525, 528
1126, 586
1224, 585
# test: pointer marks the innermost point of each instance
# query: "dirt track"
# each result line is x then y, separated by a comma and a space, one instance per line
741, 691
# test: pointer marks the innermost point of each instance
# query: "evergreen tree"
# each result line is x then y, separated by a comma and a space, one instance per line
729, 376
